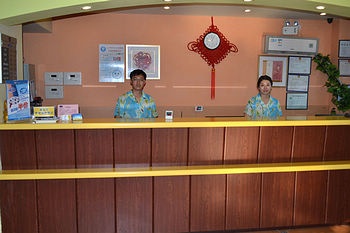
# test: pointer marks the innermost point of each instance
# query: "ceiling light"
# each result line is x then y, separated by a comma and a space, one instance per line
247, 10
320, 7
86, 8
167, 0
323, 13
247, 0
166, 7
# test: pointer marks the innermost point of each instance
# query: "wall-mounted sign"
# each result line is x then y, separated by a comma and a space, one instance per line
8, 58
290, 45
111, 62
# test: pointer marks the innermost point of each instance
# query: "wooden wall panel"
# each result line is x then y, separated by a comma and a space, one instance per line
243, 201
96, 205
18, 150
243, 190
337, 147
134, 202
94, 148
56, 149
208, 203
171, 204
18, 206
169, 147
277, 199
57, 206
338, 208
337, 143
206, 146
171, 194
311, 187
95, 197
310, 198
308, 143
56, 198
132, 147
18, 198
275, 144
241, 145
277, 188
134, 205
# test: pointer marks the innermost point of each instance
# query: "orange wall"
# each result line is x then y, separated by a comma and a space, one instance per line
185, 77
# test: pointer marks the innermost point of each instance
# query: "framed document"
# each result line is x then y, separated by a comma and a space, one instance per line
144, 57
299, 65
275, 67
344, 48
296, 101
344, 67
111, 62
299, 83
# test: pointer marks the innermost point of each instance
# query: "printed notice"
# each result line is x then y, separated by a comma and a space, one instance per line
111, 63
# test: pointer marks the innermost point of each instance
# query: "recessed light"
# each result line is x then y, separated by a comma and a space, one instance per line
86, 8
167, 0
323, 13
166, 7
247, 0
320, 7
247, 10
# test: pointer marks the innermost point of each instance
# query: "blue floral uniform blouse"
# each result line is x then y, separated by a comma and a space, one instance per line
128, 107
257, 109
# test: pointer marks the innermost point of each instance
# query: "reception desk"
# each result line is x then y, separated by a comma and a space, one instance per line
185, 175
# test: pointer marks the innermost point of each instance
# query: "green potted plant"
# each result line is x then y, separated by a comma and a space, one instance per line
340, 92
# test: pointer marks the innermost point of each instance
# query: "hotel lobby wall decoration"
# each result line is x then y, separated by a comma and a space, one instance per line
145, 57
213, 47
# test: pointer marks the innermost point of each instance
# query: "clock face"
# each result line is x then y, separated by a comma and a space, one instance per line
211, 40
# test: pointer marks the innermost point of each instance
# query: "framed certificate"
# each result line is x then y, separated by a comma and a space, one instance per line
296, 101
275, 67
344, 67
344, 48
298, 83
299, 65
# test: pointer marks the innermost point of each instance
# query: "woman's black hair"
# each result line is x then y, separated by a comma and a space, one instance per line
264, 77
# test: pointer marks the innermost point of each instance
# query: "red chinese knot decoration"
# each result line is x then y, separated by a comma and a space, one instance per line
212, 50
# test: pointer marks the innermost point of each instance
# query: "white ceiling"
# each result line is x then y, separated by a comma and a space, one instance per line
203, 10
225, 10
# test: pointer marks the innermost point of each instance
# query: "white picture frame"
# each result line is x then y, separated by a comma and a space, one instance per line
275, 67
144, 57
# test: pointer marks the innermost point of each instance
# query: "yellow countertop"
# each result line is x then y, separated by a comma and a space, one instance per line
43, 174
111, 123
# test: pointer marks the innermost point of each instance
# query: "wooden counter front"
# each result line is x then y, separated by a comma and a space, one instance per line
184, 203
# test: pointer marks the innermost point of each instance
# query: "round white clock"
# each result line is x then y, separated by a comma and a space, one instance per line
211, 40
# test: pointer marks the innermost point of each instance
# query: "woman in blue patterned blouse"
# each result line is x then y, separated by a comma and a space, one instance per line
263, 105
